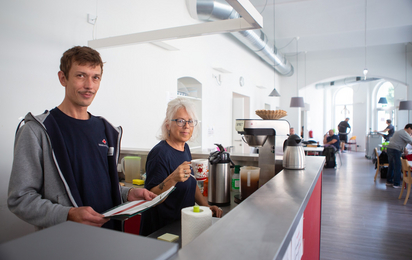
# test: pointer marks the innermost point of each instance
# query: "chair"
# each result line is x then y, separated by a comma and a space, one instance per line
407, 179
352, 141
378, 164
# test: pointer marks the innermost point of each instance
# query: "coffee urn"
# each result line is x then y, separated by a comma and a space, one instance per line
294, 158
219, 177
268, 136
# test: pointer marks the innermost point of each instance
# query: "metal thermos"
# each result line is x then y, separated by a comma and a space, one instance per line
294, 156
219, 177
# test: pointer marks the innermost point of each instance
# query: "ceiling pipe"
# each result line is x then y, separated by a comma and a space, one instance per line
344, 82
209, 10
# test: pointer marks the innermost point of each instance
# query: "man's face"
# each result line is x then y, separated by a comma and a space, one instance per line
81, 85
292, 131
331, 132
409, 131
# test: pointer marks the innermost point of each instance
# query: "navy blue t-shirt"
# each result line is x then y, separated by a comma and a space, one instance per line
162, 160
86, 144
391, 131
330, 138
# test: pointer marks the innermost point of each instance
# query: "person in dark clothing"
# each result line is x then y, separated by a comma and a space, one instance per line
395, 148
65, 160
390, 129
168, 165
330, 139
343, 135
331, 144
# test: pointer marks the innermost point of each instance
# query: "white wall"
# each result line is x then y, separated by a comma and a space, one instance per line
137, 79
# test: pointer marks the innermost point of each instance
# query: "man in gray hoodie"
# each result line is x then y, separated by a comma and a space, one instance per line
65, 160
394, 150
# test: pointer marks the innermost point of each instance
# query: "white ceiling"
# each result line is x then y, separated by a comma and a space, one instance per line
325, 25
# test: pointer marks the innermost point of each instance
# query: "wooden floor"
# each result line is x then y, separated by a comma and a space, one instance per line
362, 219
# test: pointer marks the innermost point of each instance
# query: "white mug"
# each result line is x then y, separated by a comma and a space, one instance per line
200, 168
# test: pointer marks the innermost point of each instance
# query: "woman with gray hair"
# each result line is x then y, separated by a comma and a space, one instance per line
168, 164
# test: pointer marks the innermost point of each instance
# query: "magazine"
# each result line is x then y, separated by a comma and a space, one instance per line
132, 208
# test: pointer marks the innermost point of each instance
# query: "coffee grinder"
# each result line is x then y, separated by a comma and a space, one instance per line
268, 136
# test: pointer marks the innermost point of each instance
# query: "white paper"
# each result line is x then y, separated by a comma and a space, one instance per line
133, 207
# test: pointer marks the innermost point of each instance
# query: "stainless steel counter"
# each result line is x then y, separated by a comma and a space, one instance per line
71, 240
260, 227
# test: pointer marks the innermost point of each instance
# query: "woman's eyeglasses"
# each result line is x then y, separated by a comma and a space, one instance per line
181, 122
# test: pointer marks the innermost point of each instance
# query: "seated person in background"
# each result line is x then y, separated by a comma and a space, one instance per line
168, 164
394, 150
291, 132
407, 149
330, 139
407, 152
390, 129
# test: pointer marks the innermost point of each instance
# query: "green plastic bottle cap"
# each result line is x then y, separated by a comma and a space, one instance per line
196, 209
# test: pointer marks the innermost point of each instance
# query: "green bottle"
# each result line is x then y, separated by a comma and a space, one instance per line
235, 178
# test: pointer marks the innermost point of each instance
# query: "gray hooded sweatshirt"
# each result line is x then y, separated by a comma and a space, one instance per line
39, 189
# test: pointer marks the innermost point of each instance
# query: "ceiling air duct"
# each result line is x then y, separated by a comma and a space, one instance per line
209, 10
344, 82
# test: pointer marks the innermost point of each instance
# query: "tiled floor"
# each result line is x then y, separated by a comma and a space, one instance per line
362, 219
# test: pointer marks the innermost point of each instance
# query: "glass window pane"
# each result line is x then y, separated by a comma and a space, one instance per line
343, 107
383, 115
386, 90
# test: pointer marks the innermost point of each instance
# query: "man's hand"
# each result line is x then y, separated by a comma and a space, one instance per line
86, 215
140, 194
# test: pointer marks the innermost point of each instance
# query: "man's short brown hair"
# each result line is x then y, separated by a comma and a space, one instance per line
82, 55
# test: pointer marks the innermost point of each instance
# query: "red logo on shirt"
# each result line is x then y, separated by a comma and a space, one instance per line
104, 141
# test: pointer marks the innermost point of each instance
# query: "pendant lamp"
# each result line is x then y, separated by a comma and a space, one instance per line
297, 101
365, 70
274, 93
405, 105
383, 100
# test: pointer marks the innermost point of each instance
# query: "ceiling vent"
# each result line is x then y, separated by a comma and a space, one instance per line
213, 10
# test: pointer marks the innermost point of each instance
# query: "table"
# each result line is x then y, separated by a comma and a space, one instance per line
316, 150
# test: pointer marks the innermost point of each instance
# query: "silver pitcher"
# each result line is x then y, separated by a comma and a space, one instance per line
219, 177
294, 156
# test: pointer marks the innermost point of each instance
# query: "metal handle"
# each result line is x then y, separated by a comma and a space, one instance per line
243, 138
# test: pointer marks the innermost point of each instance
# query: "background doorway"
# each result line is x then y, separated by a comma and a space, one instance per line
240, 110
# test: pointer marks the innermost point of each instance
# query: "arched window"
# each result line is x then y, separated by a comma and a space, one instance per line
385, 111
343, 106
